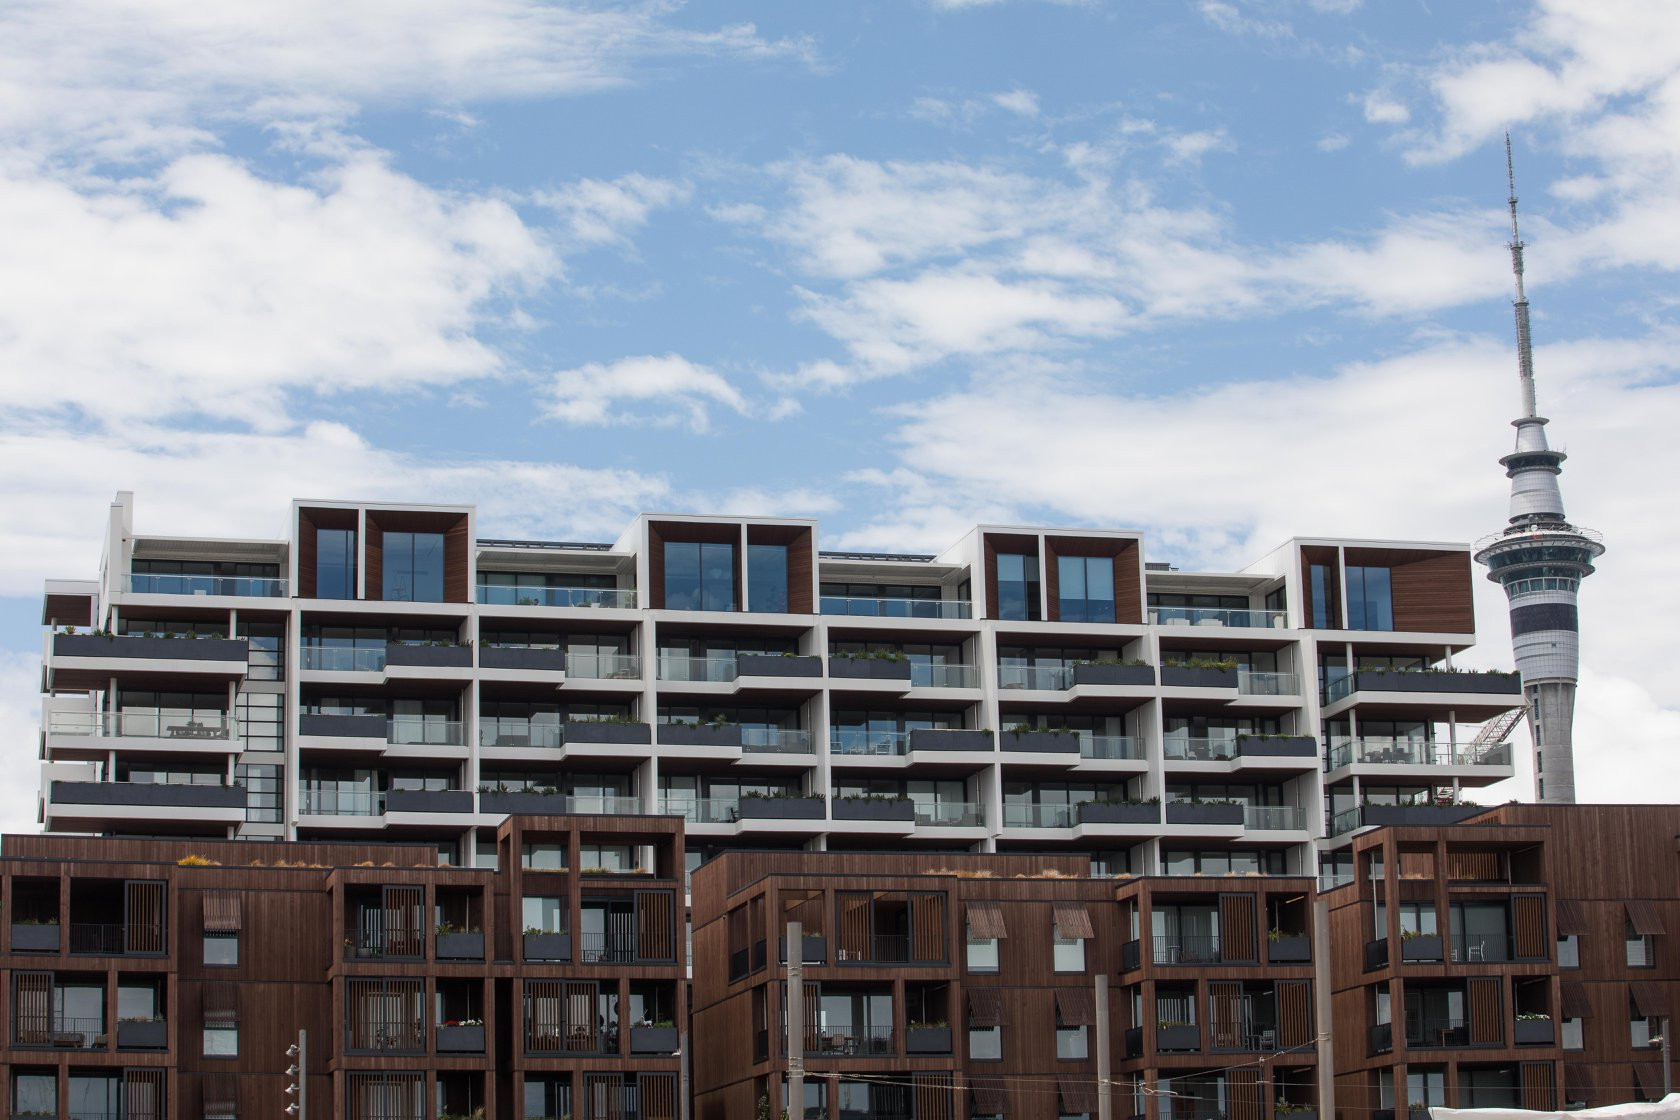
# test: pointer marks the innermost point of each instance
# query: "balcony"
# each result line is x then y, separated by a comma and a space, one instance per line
949, 814
614, 598
929, 675
703, 670
403, 731
1212, 616
1037, 816
1111, 748
1436, 1032
1187, 949
776, 740
1493, 685
321, 801
1274, 817
1389, 751
1185, 749
450, 801
860, 741
702, 810
343, 659
493, 800
1252, 683
142, 1034
458, 1038
245, 587
1037, 678
521, 659
59, 1032
179, 729
149, 795
951, 739
848, 1040
115, 939
1025, 740
604, 666
895, 608
77, 661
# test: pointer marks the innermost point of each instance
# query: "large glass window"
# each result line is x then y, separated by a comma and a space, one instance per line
1017, 583
767, 578
1370, 601
35, 1094
335, 563
985, 1044
1085, 588
699, 577
414, 567
1319, 574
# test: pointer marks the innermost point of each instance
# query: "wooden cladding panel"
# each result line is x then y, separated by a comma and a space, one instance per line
993, 543
1076, 1007
1431, 591
813, 1016
1239, 937
1470, 865
605, 1097
1648, 999
373, 569
1245, 1091
143, 1094
1539, 1086
401, 917
385, 1014
457, 546
1419, 863
656, 938
143, 910
986, 1007
932, 1096
1294, 1013
219, 1002
560, 1016
1225, 1018
32, 1007
218, 1095
1579, 1083
1642, 915
854, 924
927, 925
1571, 917
654, 593
1078, 1095
1528, 922
985, 920
1487, 1023
1576, 1005
385, 1094
1128, 586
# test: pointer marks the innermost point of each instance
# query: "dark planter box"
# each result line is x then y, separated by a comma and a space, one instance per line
458, 1040
1418, 814
1038, 742
950, 739
1426, 948
1099, 812
927, 1040
813, 950
146, 793
540, 803
433, 657
859, 810
458, 947
548, 946
172, 649
1183, 812
152, 1034
1534, 1032
653, 1040
780, 809
706, 735
593, 731
1178, 1038
348, 727
1294, 949
1114, 674
429, 801
868, 669
34, 939
1181, 676
1298, 1114
1498, 684
1292, 746
536, 660
775, 665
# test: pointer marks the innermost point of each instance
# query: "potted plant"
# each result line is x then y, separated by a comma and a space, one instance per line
1199, 672
1416, 945
930, 1037
1257, 745
627, 732
460, 1036
34, 935
539, 659
951, 739
873, 807
1287, 948
878, 665
720, 732
547, 945
1534, 1028
782, 806
141, 1032
1023, 737
778, 665
1214, 811
656, 1037
455, 943
1113, 671
1120, 811
431, 655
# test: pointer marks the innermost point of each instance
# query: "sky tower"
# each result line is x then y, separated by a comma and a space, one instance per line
1539, 558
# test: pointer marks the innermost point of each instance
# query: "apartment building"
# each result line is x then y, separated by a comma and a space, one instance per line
382, 674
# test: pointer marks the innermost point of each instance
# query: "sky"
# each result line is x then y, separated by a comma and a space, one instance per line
1226, 271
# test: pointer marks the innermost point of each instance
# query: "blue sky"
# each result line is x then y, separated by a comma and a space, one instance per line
1227, 271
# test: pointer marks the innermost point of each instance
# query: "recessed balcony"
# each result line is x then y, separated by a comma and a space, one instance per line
1245, 618
895, 608
243, 587
581, 598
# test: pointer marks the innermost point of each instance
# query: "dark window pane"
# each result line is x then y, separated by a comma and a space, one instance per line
767, 578
335, 564
717, 577
682, 576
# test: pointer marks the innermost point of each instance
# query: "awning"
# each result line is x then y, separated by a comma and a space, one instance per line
1073, 920
1648, 999
1578, 1083
1076, 1007
1576, 1005
223, 912
985, 1007
985, 921
221, 1096
1643, 917
1571, 917
1648, 1077
989, 1100
221, 1002
1078, 1094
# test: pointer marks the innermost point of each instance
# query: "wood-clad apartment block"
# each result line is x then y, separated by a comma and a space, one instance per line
1128, 572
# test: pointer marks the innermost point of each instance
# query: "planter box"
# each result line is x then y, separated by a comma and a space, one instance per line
813, 950
533, 660
927, 1040
1291, 746
780, 809
844, 810
34, 939
653, 1040
1294, 949
706, 735
1183, 812
1418, 814
346, 727
1426, 948
868, 669
1098, 812
150, 1035
1181, 676
169, 649
775, 665
542, 804
429, 657
429, 801
1178, 1038
1534, 1032
1114, 674
1038, 742
458, 947
592, 731
148, 793
458, 1040
1498, 684
950, 739
548, 946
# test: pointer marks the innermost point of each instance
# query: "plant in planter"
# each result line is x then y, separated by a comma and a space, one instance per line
1533, 1017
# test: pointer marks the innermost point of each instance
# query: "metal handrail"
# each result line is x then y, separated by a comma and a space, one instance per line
862, 741
1216, 616
604, 666
1252, 683
776, 740
927, 674
895, 608
417, 730
683, 667
1183, 749
344, 659
1043, 678
618, 598
164, 583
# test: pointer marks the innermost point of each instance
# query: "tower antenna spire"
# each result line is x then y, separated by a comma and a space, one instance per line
1525, 349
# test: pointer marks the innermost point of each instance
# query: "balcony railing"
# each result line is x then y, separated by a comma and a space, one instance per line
837, 1040
109, 939
1187, 948
1181, 749
1274, 817
60, 1031
617, 597
1436, 1031
142, 725
1393, 751
1043, 678
344, 659
1110, 747
342, 803
250, 587
862, 741
494, 731
617, 947
430, 732
1345, 821
604, 666
1038, 816
712, 670
1215, 616
775, 740
896, 608
948, 814
1251, 683
702, 810
925, 674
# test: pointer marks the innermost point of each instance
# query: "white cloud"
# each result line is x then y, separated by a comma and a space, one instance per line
1190, 147
1229, 18
1333, 142
596, 212
20, 714
1380, 108
1021, 102
664, 391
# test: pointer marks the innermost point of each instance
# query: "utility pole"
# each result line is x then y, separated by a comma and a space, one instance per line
794, 951
298, 1051
1105, 1088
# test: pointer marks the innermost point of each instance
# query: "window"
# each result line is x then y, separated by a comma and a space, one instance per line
985, 1044
1085, 588
1017, 584
414, 567
1573, 1035
1320, 577
982, 953
767, 578
335, 563
1071, 1043
1641, 1029
221, 1040
544, 857
262, 792
221, 949
1569, 951
1068, 953
1639, 952
699, 577
547, 915
1370, 604
34, 1094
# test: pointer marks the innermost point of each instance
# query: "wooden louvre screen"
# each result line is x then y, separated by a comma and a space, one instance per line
386, 1014
985, 1007
658, 1092
1578, 1083
142, 1094
1243, 1085
927, 926
854, 925
1643, 917
813, 1016
1571, 917
1648, 1080
932, 1096
1487, 1026
560, 1016
603, 1096
1476, 867
220, 1003
218, 1096
1648, 999
1073, 921
1237, 937
1294, 1009
1225, 1017
1417, 864
224, 912
655, 936
401, 917
386, 1095
1576, 1005
985, 921
1539, 1086
32, 993
988, 1100
1076, 1007
1528, 927
1078, 1095
143, 916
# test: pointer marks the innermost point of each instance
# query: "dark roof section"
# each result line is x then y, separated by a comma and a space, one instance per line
909, 557
570, 546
